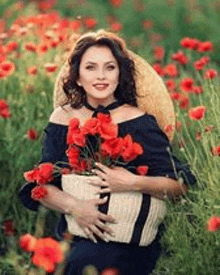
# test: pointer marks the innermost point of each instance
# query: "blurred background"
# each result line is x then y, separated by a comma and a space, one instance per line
181, 40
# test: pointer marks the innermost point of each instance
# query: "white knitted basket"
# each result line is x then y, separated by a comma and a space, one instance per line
124, 207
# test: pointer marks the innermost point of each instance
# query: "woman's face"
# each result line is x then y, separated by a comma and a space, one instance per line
99, 75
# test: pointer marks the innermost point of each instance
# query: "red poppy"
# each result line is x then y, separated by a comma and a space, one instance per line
180, 57
206, 46
75, 25
108, 130
32, 70
216, 151
159, 52
116, 3
175, 95
65, 171
5, 113
73, 154
183, 101
171, 70
45, 173
189, 43
80, 166
197, 113
147, 24
7, 67
31, 47
110, 271
4, 109
27, 242
42, 48
3, 104
41, 174
39, 192
2, 58
104, 118
214, 223
116, 27
170, 83
158, 68
142, 170
12, 46
32, 134
54, 43
112, 147
45, 5
200, 63
31, 175
90, 126
9, 227
168, 128
131, 149
74, 124
76, 137
186, 84
47, 253
50, 67
90, 22
210, 74
197, 90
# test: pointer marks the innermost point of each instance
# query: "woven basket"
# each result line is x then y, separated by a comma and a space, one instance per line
123, 206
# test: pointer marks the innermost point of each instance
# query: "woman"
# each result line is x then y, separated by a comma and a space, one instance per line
101, 78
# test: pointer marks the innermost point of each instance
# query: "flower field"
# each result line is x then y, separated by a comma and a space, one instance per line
180, 39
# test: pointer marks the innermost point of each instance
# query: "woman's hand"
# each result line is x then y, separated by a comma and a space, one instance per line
91, 220
116, 179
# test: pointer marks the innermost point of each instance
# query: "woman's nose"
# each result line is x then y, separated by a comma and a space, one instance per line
100, 75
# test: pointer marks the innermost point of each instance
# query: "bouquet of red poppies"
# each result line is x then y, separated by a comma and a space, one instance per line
96, 141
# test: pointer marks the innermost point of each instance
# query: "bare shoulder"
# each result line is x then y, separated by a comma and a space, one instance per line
62, 115
131, 111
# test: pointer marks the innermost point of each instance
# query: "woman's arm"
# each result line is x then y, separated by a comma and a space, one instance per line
159, 187
118, 179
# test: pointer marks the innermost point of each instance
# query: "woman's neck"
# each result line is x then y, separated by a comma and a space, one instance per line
96, 102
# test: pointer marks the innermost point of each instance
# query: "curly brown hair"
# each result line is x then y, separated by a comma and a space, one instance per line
126, 89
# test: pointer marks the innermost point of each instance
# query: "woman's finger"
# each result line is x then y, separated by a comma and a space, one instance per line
104, 191
102, 167
107, 218
97, 182
100, 201
105, 228
89, 234
99, 173
97, 231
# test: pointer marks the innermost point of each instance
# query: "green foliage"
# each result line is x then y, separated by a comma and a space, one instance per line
190, 248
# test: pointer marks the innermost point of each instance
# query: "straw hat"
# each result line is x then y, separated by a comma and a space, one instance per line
154, 100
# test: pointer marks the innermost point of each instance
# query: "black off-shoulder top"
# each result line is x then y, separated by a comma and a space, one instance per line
144, 129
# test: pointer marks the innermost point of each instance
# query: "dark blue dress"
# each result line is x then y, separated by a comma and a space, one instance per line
129, 258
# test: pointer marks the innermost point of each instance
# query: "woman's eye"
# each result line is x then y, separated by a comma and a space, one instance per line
89, 67
111, 67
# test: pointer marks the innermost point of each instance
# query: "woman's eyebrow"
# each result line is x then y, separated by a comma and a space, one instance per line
91, 62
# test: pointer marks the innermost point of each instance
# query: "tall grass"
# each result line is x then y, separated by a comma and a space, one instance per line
188, 247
